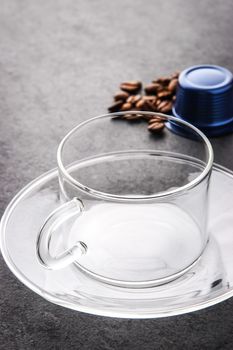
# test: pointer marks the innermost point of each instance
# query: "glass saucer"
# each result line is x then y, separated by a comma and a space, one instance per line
210, 281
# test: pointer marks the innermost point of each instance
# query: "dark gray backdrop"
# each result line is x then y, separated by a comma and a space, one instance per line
60, 63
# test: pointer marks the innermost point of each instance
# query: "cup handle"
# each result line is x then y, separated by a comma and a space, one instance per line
53, 221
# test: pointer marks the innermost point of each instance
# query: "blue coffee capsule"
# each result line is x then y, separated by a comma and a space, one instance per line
205, 99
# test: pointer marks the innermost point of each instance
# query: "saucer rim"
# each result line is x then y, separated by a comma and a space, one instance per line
47, 176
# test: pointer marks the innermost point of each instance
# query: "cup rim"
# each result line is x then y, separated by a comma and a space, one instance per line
104, 195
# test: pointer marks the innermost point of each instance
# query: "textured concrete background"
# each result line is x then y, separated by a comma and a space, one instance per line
60, 62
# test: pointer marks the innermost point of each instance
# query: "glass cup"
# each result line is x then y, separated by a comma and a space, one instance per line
134, 204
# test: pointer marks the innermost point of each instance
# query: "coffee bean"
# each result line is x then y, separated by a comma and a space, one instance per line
162, 80
140, 104
121, 95
147, 117
134, 99
156, 119
132, 117
165, 106
156, 127
150, 98
126, 106
164, 94
151, 88
174, 75
162, 104
172, 85
161, 88
159, 97
116, 106
131, 86
130, 99
137, 98
149, 106
169, 107
145, 105
140, 115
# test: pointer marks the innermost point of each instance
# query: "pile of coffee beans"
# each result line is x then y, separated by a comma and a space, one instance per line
158, 96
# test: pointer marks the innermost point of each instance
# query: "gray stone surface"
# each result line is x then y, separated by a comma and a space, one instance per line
60, 62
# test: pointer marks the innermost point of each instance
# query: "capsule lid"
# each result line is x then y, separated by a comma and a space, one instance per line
205, 77
204, 98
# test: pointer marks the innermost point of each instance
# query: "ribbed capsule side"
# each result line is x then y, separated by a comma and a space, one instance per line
205, 108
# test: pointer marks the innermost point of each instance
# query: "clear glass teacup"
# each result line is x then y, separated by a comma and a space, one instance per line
133, 204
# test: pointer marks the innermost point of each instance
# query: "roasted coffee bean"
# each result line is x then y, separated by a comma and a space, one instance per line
161, 104
159, 97
174, 75
164, 94
162, 81
156, 119
145, 105
126, 106
133, 99
161, 88
149, 106
140, 104
164, 106
121, 95
167, 108
172, 85
147, 117
116, 106
151, 88
158, 102
156, 127
150, 98
130, 99
137, 98
141, 116
131, 86
132, 117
